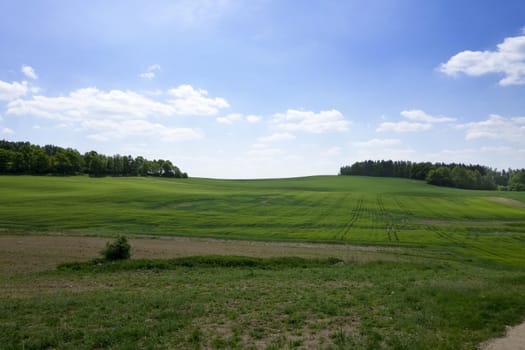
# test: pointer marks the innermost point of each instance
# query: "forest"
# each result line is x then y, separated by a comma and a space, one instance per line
475, 177
24, 158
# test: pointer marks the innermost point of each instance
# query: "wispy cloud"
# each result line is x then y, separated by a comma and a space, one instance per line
190, 14
91, 103
191, 101
419, 121
104, 130
421, 116
117, 114
331, 152
11, 91
311, 122
496, 127
150, 72
229, 119
253, 118
277, 137
260, 150
7, 131
403, 126
373, 143
508, 59
29, 72
234, 117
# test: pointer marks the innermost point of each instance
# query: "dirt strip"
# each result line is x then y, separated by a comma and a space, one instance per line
19, 254
513, 340
508, 201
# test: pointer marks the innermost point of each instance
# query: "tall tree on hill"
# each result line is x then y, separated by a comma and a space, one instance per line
517, 181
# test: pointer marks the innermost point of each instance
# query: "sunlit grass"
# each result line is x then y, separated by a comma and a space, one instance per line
239, 303
457, 280
357, 210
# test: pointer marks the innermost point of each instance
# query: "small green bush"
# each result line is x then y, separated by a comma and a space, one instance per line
117, 250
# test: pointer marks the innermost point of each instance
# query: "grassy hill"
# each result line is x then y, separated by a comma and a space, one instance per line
359, 210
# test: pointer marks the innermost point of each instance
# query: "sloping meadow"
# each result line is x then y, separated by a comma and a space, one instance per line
358, 210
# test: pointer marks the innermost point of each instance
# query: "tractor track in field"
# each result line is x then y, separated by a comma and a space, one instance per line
448, 237
391, 229
355, 214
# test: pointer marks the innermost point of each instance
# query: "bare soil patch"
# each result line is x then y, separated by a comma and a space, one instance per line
508, 201
19, 254
513, 340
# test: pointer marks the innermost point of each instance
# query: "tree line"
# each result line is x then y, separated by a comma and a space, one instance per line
24, 158
464, 176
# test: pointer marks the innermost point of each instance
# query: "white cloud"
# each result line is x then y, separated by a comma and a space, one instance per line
117, 114
253, 118
147, 75
114, 104
277, 137
331, 152
110, 129
497, 157
403, 127
421, 116
188, 14
153, 67
311, 122
497, 128
190, 101
420, 121
91, 103
234, 117
150, 72
230, 118
265, 152
29, 72
7, 131
157, 92
374, 143
11, 91
508, 59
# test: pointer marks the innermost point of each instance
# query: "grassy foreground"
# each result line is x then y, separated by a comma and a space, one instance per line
456, 278
240, 303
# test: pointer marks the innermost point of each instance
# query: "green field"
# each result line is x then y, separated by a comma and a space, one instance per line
357, 210
447, 270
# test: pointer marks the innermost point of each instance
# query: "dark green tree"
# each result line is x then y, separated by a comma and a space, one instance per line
440, 177
517, 181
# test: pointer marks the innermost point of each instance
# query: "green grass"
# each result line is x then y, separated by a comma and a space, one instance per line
100, 265
239, 303
358, 210
457, 280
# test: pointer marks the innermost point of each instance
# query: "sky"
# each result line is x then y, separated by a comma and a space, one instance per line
265, 89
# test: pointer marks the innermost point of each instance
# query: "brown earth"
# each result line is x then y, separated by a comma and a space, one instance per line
19, 254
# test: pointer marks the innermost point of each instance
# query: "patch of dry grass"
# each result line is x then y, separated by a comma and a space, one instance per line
20, 254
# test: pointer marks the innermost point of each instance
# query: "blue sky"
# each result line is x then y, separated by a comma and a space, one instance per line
252, 89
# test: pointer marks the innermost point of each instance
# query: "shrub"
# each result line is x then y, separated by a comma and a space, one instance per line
117, 250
